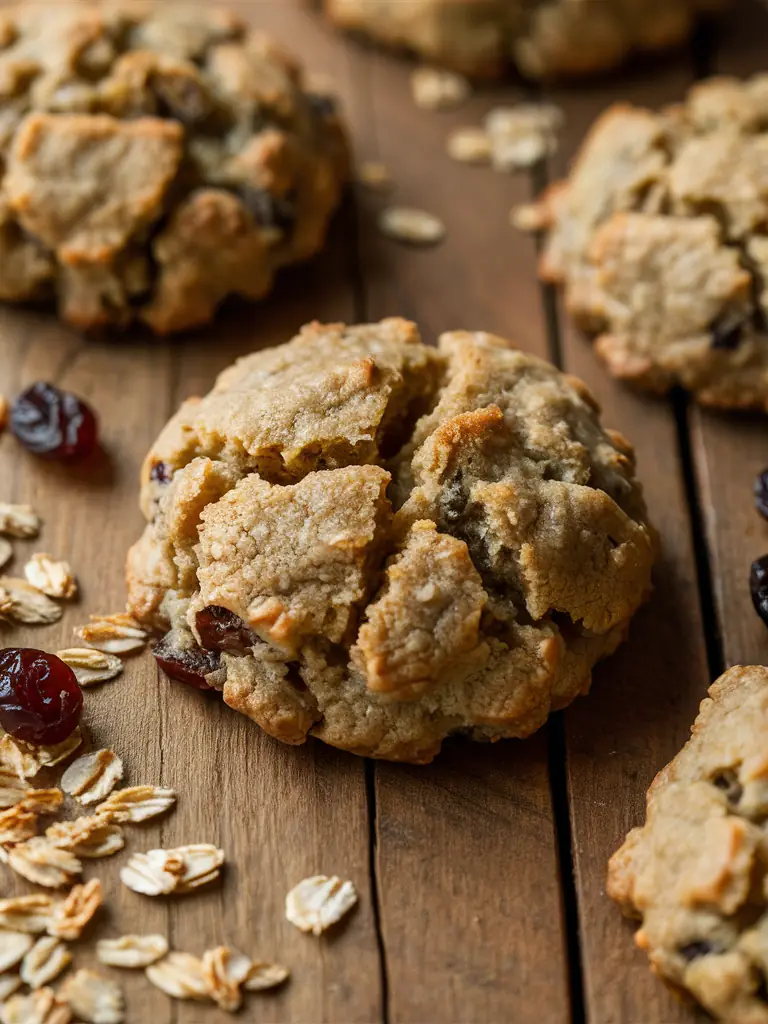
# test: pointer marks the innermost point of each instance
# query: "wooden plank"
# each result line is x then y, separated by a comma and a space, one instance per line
645, 697
466, 857
730, 450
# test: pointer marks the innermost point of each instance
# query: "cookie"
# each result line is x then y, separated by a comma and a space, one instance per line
697, 872
362, 538
658, 237
157, 160
544, 40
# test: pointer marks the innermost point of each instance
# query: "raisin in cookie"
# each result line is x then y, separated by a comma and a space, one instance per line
697, 871
379, 543
660, 238
544, 39
156, 160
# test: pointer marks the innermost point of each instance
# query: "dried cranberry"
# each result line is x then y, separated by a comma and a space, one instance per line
761, 493
189, 666
40, 700
160, 473
758, 585
54, 424
222, 630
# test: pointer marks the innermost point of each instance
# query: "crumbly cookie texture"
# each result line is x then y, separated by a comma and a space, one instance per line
157, 159
382, 543
697, 872
659, 239
544, 38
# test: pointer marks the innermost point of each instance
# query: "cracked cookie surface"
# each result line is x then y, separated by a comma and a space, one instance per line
697, 872
157, 159
659, 237
544, 39
379, 543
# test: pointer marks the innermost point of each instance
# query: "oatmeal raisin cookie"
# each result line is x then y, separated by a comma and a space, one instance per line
379, 543
697, 872
156, 159
660, 238
544, 38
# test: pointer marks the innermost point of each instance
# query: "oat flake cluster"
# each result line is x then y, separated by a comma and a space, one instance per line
659, 237
379, 543
156, 159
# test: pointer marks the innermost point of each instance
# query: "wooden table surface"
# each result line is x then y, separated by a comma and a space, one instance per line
481, 877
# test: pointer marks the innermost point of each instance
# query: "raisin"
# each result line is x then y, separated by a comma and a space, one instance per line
758, 585
222, 630
727, 333
54, 424
323, 105
40, 700
267, 210
693, 950
189, 666
760, 491
160, 473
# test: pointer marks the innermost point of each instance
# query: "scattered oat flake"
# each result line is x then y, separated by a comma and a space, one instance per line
19, 520
93, 776
416, 227
44, 962
202, 863
9, 983
436, 89
23, 603
26, 760
264, 975
523, 135
137, 803
132, 950
40, 1007
13, 789
17, 825
469, 146
69, 918
6, 552
43, 801
51, 576
225, 970
112, 634
151, 874
180, 975
14, 946
90, 837
91, 666
374, 175
29, 914
318, 902
94, 998
40, 862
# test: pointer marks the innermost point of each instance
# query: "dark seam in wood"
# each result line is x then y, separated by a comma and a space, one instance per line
370, 790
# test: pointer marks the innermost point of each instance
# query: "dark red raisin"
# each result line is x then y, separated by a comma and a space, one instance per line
40, 700
160, 473
758, 585
761, 493
222, 630
189, 666
54, 424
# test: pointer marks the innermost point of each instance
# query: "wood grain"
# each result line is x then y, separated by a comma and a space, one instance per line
645, 697
466, 857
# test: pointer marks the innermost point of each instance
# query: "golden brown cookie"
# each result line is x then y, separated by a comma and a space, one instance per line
659, 238
544, 38
158, 158
697, 872
358, 537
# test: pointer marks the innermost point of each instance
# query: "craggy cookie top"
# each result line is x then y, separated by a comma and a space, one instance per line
697, 871
357, 536
660, 236
157, 158
543, 38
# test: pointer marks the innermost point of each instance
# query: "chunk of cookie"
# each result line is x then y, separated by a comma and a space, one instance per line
696, 872
659, 237
158, 159
358, 537
544, 40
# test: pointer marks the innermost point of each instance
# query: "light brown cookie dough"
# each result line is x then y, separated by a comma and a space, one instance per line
157, 159
358, 537
659, 237
544, 38
697, 872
